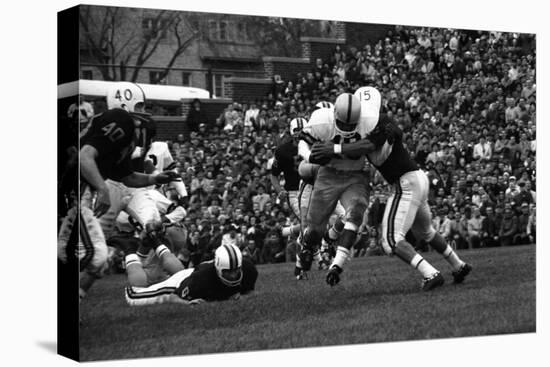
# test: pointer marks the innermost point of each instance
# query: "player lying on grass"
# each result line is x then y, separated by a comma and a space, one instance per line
407, 208
226, 277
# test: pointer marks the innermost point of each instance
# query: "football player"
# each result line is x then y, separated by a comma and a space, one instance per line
407, 208
226, 277
149, 206
340, 177
285, 161
106, 147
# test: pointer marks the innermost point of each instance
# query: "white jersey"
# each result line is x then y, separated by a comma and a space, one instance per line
160, 155
370, 107
322, 127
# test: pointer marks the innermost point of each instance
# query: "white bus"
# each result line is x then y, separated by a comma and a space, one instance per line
161, 99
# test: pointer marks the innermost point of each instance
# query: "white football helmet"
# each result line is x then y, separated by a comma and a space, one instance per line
128, 96
324, 104
296, 125
347, 110
371, 101
228, 261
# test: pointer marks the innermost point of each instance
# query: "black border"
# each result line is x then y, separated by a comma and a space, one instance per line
67, 274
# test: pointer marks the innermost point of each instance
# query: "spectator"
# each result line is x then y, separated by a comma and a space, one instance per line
523, 196
482, 150
261, 198
522, 235
513, 189
532, 224
475, 228
508, 227
490, 229
251, 251
196, 116
251, 116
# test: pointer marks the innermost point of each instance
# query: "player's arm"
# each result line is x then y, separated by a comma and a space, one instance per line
136, 179
274, 173
304, 150
88, 167
90, 172
384, 132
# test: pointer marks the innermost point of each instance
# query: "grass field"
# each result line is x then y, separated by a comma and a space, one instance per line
378, 300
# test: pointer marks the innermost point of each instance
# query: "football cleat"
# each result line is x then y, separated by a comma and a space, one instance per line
461, 273
306, 258
333, 275
432, 282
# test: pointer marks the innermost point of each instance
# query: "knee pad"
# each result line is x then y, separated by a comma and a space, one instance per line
92, 247
356, 211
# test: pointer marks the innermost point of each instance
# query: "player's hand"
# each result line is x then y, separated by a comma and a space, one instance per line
333, 275
167, 177
321, 153
102, 202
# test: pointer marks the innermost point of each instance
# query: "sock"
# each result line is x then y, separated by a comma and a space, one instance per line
423, 266
134, 271
342, 255
161, 250
452, 258
168, 260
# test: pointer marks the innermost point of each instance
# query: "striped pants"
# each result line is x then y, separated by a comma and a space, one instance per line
81, 237
163, 292
407, 209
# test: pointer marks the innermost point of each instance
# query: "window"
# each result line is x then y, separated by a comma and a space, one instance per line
242, 32
213, 30
186, 79
223, 31
217, 84
87, 74
154, 27
155, 77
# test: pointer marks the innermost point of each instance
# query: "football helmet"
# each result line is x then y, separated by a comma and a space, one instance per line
228, 261
324, 104
130, 97
347, 110
296, 125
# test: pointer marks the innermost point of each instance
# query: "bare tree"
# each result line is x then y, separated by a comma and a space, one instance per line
111, 39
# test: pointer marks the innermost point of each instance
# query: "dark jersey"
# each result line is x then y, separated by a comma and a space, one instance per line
286, 162
205, 284
390, 157
112, 134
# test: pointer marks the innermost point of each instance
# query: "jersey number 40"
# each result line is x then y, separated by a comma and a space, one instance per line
112, 132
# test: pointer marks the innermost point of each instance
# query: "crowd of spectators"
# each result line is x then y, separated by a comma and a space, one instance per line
465, 100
